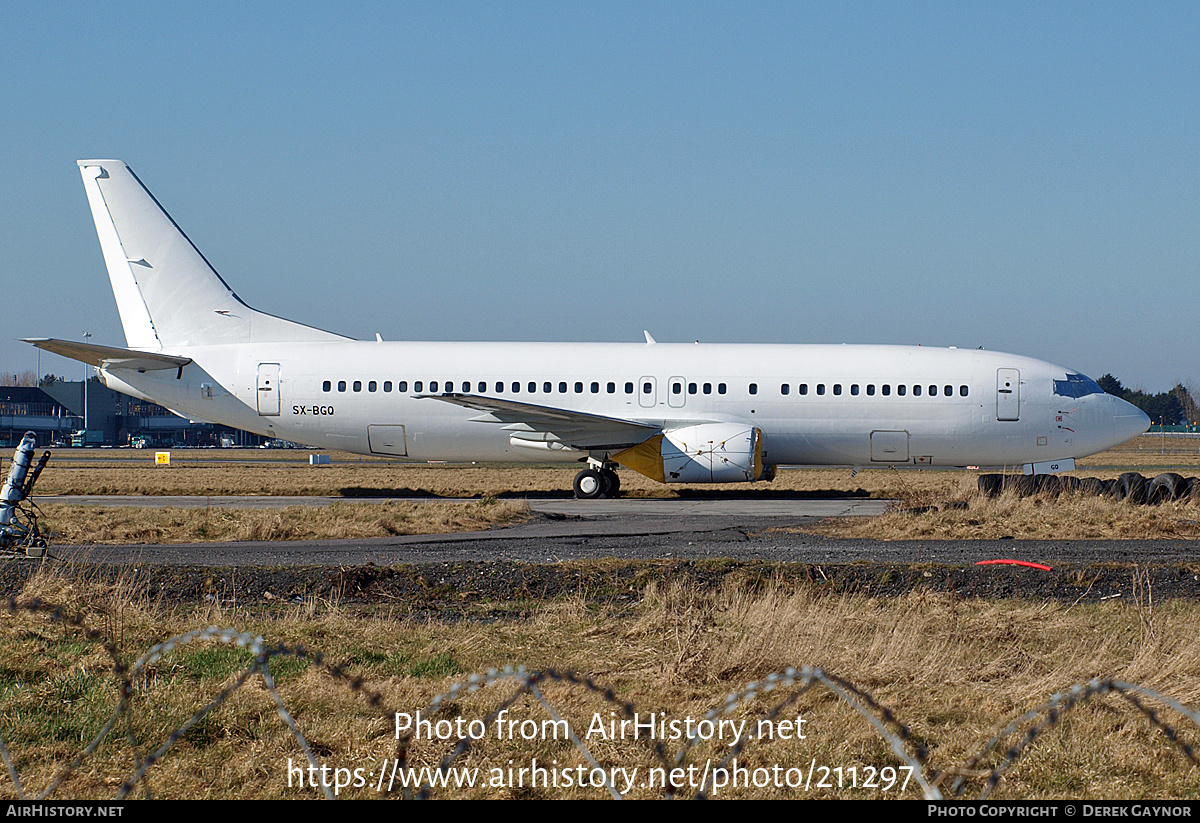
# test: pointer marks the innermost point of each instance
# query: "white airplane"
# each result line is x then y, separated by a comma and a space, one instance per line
677, 413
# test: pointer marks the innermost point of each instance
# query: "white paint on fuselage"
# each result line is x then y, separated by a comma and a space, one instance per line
221, 386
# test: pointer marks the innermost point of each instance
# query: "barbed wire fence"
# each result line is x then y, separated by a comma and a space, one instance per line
791, 684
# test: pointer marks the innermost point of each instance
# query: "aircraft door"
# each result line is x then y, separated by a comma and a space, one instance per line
647, 392
268, 389
676, 392
1008, 394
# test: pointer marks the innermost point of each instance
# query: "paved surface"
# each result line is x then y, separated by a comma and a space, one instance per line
765, 530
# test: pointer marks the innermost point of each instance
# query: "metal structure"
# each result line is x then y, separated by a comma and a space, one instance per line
19, 530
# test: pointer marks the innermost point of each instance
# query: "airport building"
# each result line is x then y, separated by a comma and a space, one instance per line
55, 413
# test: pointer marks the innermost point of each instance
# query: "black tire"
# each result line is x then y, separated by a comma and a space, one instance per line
589, 485
1023, 485
1110, 488
990, 485
1093, 486
613, 481
1047, 484
1166, 487
1131, 486
1193, 487
1068, 484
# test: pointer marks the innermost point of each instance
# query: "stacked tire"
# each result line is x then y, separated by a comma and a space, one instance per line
1130, 486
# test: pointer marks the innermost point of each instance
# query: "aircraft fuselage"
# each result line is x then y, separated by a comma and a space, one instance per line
815, 404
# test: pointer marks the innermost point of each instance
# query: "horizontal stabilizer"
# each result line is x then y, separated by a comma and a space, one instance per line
109, 357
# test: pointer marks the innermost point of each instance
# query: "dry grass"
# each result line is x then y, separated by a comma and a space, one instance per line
1067, 517
72, 524
376, 478
954, 671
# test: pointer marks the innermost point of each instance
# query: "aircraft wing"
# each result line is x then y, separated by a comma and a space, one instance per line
109, 357
546, 424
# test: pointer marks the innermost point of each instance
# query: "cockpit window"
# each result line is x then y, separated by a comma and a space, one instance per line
1077, 385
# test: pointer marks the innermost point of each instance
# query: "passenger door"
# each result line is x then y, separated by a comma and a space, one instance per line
268, 389
1008, 394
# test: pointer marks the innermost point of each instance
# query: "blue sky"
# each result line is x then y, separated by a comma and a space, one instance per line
1019, 176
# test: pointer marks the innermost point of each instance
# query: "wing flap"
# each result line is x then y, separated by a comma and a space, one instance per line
535, 423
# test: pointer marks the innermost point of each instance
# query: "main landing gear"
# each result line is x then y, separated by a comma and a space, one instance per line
596, 482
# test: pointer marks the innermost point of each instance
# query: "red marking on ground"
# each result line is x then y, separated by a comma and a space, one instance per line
1015, 563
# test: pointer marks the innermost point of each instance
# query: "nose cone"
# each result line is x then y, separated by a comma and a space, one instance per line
1128, 421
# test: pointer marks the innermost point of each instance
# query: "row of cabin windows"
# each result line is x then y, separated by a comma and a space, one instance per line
647, 387
884, 389
515, 387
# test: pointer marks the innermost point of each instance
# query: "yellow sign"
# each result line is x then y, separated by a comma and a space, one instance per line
162, 458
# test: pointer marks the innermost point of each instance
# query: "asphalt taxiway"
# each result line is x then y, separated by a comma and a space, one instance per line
629, 528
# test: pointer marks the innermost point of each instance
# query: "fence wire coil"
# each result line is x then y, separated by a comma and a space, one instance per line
785, 687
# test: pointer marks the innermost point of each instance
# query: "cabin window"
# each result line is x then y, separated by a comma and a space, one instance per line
532, 387
804, 388
917, 391
754, 388
692, 388
784, 389
901, 389
676, 388
720, 388
578, 387
885, 389
341, 385
387, 385
647, 388
326, 386
837, 388
933, 391
358, 385
403, 386
595, 387
854, 388
612, 388
629, 388
820, 388
372, 386
870, 390
562, 388
963, 390
948, 390
708, 388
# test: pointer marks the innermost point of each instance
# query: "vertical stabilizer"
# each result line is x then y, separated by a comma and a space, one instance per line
167, 293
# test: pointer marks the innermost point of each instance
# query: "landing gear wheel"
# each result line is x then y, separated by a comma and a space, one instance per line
589, 484
612, 483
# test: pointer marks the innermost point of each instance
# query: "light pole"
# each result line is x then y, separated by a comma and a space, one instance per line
86, 335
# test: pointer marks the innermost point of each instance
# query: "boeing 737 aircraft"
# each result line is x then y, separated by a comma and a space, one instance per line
677, 413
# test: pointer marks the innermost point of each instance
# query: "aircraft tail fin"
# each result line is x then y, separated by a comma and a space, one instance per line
167, 293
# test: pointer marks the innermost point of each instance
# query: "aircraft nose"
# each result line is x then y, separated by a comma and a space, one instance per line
1128, 421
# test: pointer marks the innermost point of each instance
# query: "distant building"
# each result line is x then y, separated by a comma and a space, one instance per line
53, 412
